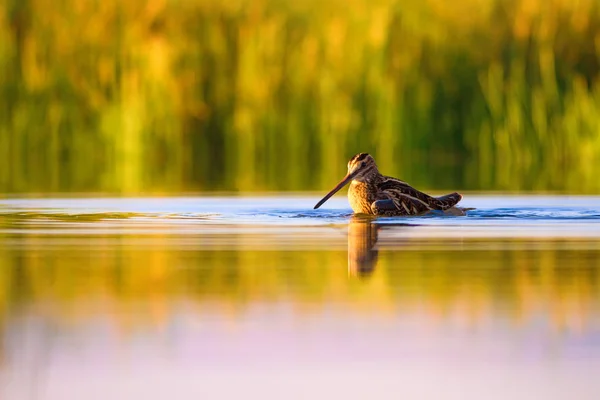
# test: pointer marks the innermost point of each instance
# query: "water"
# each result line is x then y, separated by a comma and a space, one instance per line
224, 297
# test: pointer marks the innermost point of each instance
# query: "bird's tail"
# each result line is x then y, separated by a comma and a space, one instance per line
448, 201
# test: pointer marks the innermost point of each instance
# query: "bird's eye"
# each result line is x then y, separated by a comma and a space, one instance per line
362, 164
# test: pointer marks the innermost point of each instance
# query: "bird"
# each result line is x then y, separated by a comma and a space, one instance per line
373, 193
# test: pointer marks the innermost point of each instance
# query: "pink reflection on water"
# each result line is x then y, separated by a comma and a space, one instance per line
272, 351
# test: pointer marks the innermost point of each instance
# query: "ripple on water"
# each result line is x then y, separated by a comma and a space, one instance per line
536, 214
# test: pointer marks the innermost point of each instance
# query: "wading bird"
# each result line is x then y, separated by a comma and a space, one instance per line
372, 193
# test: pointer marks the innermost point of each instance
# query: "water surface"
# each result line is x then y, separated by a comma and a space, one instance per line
224, 297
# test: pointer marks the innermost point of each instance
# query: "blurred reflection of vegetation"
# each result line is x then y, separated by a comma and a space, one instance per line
159, 95
562, 285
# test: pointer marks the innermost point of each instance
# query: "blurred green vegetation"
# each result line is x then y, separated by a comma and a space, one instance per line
514, 281
192, 95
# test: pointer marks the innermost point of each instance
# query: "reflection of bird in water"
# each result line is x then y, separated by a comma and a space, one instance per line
372, 193
362, 237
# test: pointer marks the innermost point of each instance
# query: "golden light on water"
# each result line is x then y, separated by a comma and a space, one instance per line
156, 297
469, 285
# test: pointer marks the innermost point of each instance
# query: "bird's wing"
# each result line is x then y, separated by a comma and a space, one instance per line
393, 188
398, 204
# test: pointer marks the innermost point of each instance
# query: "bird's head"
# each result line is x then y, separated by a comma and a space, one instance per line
360, 167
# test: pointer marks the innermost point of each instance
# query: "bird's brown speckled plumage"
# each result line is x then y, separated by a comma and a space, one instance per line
373, 193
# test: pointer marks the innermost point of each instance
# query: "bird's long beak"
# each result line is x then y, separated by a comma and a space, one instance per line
340, 185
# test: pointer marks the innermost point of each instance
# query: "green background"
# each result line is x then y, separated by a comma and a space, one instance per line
171, 96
